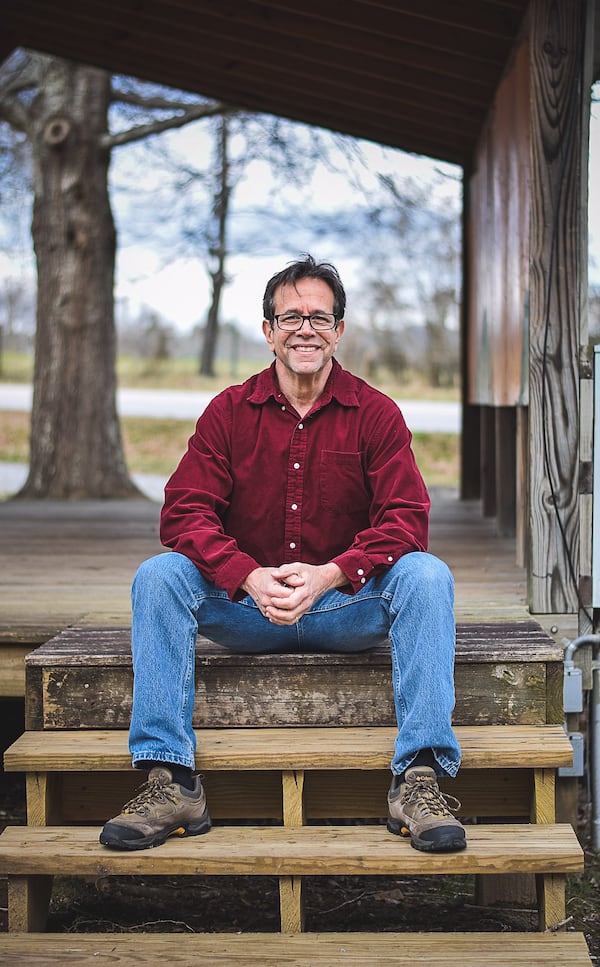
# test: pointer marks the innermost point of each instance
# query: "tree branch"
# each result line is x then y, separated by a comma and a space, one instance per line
192, 113
152, 102
15, 113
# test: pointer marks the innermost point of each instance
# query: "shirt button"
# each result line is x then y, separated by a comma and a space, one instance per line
292, 545
390, 558
363, 580
296, 466
283, 408
301, 426
360, 571
294, 506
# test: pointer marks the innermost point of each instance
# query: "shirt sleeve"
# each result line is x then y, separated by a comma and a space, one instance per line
197, 496
399, 513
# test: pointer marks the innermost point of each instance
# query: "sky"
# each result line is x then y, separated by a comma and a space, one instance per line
180, 291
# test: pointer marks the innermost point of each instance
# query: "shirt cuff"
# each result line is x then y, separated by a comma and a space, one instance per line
231, 575
357, 567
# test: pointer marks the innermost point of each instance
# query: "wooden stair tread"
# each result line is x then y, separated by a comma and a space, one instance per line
279, 850
300, 950
506, 641
508, 746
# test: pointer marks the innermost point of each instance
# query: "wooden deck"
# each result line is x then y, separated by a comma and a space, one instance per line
66, 563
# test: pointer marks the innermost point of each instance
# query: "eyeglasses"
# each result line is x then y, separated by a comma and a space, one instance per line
319, 321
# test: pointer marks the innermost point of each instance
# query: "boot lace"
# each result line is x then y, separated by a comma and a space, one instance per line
426, 794
156, 789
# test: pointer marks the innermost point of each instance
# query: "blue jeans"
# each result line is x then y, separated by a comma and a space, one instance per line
412, 604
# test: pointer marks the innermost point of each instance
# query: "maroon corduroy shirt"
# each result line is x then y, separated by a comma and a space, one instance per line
261, 486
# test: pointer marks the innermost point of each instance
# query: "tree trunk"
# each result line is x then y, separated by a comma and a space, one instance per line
76, 445
217, 252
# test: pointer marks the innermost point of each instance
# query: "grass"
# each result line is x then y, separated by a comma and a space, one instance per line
156, 445
137, 372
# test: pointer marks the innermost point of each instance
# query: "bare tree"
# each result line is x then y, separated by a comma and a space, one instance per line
61, 108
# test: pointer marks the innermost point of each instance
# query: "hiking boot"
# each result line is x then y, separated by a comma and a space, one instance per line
162, 808
418, 809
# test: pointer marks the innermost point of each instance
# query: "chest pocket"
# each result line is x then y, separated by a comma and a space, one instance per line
342, 486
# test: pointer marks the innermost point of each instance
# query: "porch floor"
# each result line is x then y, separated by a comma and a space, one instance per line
66, 563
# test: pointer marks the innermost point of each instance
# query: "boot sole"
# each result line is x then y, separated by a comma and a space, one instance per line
113, 841
449, 842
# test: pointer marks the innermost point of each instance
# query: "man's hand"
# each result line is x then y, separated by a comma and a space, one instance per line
284, 594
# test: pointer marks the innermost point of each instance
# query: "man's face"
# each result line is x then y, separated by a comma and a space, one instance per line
305, 352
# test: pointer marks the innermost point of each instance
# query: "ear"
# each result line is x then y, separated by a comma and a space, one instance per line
268, 333
339, 331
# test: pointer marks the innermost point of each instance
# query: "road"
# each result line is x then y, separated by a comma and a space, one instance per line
422, 416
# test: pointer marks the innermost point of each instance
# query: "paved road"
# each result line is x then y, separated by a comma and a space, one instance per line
422, 416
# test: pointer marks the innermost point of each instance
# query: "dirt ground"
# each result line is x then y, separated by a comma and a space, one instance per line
240, 904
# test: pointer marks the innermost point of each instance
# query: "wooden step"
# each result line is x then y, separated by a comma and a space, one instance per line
505, 673
280, 850
488, 747
299, 950
30, 856
345, 772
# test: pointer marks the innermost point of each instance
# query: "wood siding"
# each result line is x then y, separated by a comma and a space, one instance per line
498, 227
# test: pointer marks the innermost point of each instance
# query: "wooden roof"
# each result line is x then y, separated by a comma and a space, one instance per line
419, 75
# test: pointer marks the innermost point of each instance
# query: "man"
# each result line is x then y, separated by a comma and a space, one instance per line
298, 521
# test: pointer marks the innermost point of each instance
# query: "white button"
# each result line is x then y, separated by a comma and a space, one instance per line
390, 558
283, 408
294, 506
301, 426
292, 545
362, 580
296, 466
360, 571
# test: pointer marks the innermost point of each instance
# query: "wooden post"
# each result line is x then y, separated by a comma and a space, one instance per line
506, 470
556, 256
28, 901
522, 486
543, 807
470, 438
488, 461
291, 906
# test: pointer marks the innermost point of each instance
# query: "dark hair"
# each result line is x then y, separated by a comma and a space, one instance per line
305, 268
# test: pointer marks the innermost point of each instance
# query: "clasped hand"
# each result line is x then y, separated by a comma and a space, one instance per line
284, 594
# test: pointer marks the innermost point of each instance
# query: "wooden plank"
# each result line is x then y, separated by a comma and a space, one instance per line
287, 851
490, 747
293, 797
556, 257
12, 669
291, 906
299, 950
269, 694
28, 899
86, 682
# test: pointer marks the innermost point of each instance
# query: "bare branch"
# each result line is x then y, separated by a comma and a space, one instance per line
151, 102
192, 113
15, 113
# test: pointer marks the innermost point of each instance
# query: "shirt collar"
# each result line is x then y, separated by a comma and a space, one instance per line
340, 386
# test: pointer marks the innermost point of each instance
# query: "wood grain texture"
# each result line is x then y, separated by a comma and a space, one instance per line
490, 747
299, 950
555, 257
290, 851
